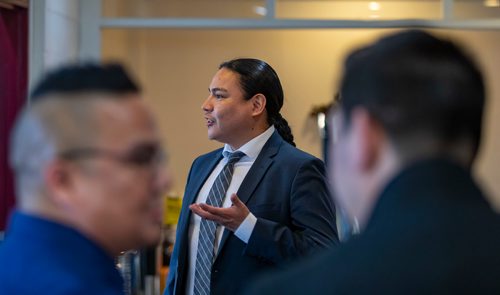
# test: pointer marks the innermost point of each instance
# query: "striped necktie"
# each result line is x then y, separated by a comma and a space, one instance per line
205, 254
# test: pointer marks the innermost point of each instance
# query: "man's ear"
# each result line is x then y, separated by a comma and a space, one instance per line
58, 178
368, 139
258, 104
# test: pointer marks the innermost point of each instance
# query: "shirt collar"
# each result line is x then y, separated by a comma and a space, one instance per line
253, 147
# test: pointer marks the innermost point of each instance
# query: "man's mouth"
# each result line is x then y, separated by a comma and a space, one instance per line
210, 122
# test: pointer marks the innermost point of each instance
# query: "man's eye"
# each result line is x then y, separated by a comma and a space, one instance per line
143, 156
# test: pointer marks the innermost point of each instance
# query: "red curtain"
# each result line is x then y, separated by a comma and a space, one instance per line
13, 90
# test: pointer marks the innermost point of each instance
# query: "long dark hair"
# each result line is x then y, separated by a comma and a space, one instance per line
256, 76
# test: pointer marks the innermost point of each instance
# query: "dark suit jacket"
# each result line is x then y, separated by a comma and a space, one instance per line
432, 232
286, 190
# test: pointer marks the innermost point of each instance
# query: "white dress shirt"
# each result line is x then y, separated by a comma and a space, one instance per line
244, 231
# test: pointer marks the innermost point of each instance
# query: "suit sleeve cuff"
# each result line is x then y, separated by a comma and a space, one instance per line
244, 231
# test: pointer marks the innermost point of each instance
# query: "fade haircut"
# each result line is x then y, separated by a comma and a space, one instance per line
416, 86
60, 115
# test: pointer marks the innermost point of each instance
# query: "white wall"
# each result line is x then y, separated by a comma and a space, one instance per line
62, 23
54, 35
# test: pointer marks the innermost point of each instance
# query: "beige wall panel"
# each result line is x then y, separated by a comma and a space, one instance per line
176, 66
485, 45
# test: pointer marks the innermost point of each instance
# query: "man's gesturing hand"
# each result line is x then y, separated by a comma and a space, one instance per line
230, 217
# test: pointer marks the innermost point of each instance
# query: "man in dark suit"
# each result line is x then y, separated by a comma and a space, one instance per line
408, 129
273, 202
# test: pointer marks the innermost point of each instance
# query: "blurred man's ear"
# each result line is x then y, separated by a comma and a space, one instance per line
368, 139
58, 179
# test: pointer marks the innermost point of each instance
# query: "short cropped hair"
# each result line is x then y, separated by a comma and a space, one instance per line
87, 77
413, 83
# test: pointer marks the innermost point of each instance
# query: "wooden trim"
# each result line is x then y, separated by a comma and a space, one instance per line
11, 3
5, 5
206, 23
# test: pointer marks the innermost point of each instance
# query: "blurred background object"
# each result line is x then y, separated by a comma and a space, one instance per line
145, 270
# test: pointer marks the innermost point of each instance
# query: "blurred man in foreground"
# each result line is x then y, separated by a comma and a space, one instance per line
408, 130
87, 159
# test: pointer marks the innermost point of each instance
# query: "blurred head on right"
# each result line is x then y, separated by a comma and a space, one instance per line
406, 97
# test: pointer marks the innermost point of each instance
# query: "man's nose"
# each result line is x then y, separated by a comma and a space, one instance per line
206, 106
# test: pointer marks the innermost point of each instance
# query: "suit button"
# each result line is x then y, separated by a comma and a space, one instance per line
216, 271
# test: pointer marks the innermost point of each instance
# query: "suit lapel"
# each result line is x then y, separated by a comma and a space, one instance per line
255, 174
259, 168
198, 177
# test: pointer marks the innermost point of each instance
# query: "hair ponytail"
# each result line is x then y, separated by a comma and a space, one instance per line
256, 76
283, 128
